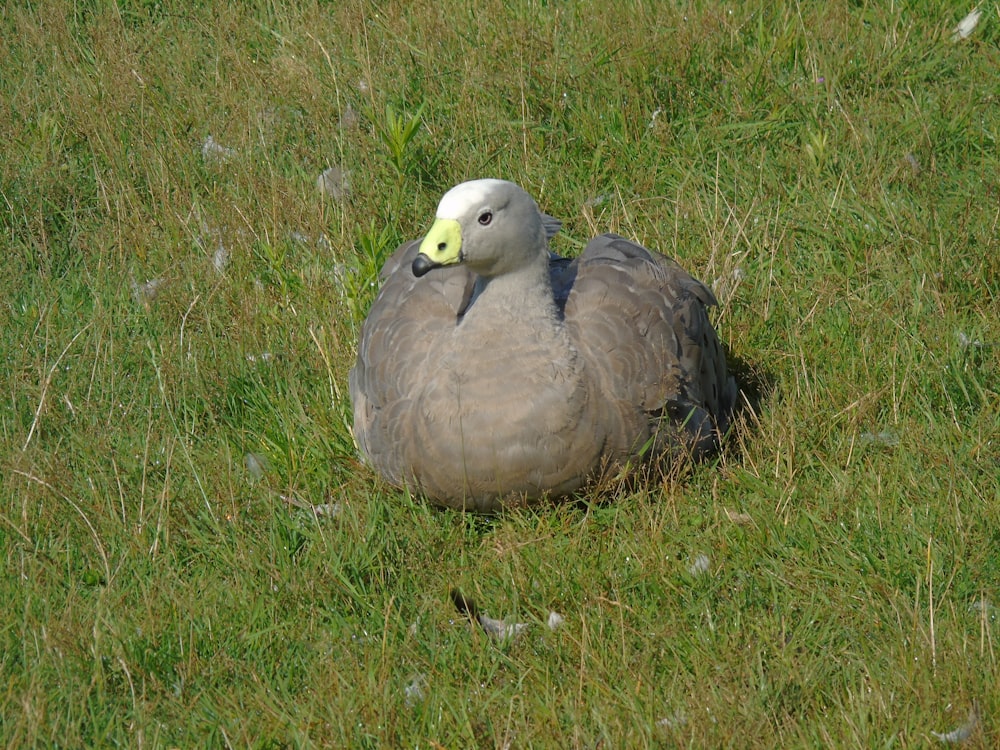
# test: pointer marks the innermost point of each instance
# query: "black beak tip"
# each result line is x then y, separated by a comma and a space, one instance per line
422, 264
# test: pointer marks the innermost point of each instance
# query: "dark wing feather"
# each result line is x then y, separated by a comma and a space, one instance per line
640, 322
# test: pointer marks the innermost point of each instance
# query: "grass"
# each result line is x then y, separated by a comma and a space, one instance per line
180, 315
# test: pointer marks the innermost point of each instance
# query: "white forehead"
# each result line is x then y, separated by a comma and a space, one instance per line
466, 197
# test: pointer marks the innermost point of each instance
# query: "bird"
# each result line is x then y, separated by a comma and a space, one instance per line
492, 372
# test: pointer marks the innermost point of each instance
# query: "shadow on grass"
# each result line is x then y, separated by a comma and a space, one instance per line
756, 385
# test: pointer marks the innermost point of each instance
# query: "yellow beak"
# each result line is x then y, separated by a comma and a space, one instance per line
441, 247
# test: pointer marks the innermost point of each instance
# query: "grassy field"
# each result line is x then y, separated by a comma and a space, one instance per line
194, 555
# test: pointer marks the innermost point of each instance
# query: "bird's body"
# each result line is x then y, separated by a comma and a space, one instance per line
490, 371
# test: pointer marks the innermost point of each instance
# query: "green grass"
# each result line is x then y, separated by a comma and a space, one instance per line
833, 169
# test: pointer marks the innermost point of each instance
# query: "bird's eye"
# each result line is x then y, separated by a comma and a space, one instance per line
485, 218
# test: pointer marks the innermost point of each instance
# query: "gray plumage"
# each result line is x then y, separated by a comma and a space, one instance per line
491, 371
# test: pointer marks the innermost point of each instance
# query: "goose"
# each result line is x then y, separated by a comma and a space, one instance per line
492, 372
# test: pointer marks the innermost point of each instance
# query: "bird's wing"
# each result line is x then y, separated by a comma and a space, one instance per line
641, 323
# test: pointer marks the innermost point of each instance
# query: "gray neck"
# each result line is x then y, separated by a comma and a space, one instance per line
525, 294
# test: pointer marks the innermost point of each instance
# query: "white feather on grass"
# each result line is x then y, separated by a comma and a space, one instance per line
213, 151
498, 630
966, 26
963, 731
